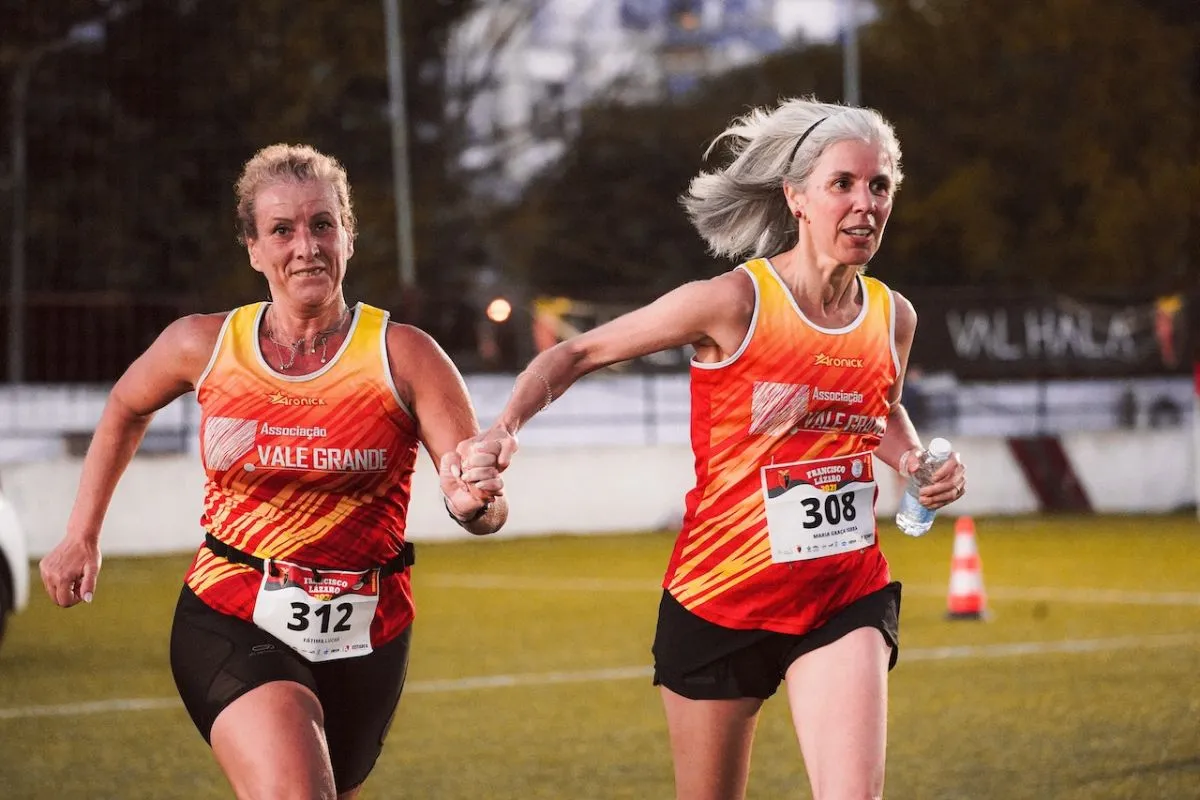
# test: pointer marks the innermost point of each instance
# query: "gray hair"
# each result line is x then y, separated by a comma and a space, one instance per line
740, 209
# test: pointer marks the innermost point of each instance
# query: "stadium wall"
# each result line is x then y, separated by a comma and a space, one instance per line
592, 489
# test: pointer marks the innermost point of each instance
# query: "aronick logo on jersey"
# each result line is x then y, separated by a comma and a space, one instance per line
285, 399
826, 360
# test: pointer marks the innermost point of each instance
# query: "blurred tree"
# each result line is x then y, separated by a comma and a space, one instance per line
1186, 15
605, 222
1050, 144
1175, 12
604, 216
134, 149
1057, 143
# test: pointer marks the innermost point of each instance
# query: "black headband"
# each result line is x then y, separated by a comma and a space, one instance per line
800, 141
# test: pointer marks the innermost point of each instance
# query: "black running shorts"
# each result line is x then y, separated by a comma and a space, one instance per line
703, 661
216, 658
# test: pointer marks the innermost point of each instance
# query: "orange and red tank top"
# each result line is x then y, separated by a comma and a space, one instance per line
793, 392
313, 469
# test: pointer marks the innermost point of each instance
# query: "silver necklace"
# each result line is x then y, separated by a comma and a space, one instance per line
296, 348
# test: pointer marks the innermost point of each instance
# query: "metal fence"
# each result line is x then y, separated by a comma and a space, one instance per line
39, 422
973, 333
77, 346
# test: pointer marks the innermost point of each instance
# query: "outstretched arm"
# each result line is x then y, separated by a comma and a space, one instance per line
168, 369
713, 315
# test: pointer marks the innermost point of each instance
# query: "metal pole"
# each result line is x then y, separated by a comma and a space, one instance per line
850, 82
399, 121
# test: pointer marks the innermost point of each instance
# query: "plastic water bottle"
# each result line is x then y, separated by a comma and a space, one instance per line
912, 517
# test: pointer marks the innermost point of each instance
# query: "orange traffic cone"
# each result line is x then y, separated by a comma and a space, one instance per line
966, 599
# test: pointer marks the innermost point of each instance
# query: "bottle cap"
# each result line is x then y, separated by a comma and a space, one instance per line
939, 448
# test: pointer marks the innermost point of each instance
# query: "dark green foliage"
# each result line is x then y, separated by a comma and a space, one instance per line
1054, 145
134, 146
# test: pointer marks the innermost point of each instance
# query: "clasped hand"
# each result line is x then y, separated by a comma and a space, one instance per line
470, 474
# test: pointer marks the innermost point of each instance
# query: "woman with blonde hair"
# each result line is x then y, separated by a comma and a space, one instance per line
291, 635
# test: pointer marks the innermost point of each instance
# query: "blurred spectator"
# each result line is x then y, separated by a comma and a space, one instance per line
1127, 408
1165, 413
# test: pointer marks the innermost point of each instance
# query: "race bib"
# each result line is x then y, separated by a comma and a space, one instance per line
321, 614
819, 508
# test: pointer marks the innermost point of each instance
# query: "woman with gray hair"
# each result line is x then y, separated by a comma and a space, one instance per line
777, 575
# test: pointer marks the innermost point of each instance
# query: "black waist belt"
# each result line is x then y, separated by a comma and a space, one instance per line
407, 557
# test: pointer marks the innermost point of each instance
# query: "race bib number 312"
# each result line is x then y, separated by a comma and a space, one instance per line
321, 614
819, 508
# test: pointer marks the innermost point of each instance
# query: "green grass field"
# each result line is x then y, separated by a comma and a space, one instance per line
530, 676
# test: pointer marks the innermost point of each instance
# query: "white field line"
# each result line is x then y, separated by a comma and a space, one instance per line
1059, 594
962, 652
98, 707
516, 583
526, 679
1118, 597
1042, 648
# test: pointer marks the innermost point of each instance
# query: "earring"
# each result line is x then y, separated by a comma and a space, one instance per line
799, 214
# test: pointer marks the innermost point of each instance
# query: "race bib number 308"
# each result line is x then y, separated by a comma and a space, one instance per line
321, 614
819, 508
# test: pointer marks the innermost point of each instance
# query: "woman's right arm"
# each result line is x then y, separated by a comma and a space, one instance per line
713, 315
169, 368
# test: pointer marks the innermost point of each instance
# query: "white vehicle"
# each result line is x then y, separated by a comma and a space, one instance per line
14, 564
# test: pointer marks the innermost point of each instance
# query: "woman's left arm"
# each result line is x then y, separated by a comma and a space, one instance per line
901, 437
437, 396
901, 443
